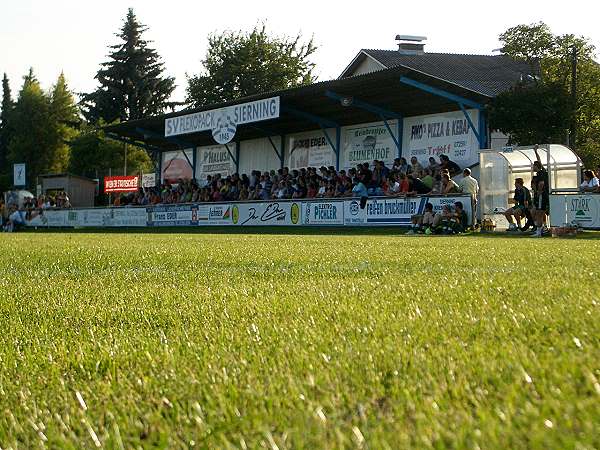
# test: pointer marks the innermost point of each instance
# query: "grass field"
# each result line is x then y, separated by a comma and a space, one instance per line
310, 341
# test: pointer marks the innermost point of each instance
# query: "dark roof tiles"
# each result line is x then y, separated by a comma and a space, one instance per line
486, 74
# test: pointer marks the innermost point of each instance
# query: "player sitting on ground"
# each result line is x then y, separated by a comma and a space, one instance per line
460, 222
521, 200
441, 222
422, 223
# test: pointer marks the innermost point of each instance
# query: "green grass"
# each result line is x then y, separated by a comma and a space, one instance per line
298, 341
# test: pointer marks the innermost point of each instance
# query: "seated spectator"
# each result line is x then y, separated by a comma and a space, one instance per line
590, 182
404, 183
360, 190
448, 185
427, 178
521, 201
393, 186
281, 192
433, 166
312, 191
243, 195
416, 169
446, 163
417, 187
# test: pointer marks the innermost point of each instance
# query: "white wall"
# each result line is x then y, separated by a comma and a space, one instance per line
258, 154
368, 65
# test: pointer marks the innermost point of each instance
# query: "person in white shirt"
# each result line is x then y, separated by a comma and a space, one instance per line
590, 182
469, 185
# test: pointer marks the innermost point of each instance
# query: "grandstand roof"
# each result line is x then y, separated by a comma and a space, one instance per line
486, 74
381, 88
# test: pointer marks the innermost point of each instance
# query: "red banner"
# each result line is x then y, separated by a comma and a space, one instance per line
121, 184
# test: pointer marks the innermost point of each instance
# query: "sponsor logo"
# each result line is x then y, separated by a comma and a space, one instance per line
354, 207
224, 127
295, 213
235, 214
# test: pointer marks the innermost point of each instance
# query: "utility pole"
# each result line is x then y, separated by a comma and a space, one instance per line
573, 130
125, 161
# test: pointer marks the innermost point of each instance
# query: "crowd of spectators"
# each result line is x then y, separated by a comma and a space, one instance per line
376, 179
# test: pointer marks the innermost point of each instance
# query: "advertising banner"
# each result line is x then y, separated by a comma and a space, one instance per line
369, 143
399, 210
213, 160
148, 180
266, 213
323, 213
311, 150
121, 184
216, 214
378, 211
177, 165
19, 174
223, 122
582, 209
441, 134
353, 214
172, 215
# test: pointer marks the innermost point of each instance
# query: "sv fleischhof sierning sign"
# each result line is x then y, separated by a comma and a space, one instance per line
223, 122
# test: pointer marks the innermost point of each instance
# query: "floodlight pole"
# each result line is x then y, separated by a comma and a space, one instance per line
573, 131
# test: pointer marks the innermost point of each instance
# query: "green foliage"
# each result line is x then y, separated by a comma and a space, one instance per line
5, 111
41, 126
533, 113
536, 44
93, 156
241, 64
132, 84
31, 135
134, 340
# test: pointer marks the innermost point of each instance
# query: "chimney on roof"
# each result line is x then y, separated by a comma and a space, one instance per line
411, 45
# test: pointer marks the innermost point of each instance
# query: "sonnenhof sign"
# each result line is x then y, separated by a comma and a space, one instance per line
223, 121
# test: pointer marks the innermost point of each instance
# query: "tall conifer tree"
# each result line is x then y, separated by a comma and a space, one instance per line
132, 83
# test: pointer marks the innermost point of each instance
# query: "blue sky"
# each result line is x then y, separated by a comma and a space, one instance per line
72, 36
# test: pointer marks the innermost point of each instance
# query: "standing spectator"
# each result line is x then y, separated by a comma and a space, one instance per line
469, 185
541, 207
521, 201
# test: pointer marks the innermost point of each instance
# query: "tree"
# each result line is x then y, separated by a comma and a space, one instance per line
132, 84
94, 156
40, 127
7, 107
63, 121
238, 65
514, 111
30, 133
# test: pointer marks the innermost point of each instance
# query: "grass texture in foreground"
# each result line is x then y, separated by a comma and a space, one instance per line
298, 341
